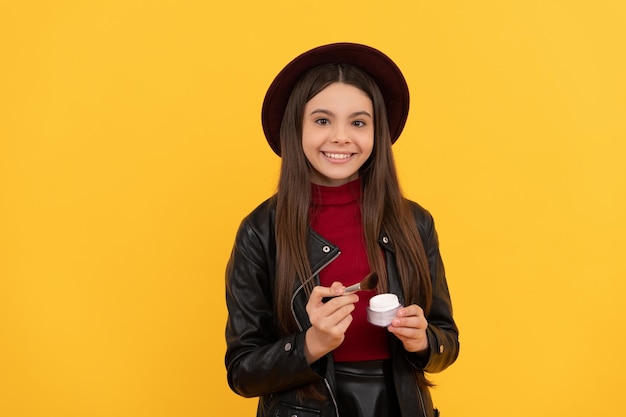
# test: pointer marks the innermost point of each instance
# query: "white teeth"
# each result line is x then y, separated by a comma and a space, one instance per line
337, 155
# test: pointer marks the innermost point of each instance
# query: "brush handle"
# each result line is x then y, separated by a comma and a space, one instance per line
347, 290
353, 287
367, 283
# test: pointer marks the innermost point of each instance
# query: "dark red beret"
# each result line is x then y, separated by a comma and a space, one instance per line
378, 65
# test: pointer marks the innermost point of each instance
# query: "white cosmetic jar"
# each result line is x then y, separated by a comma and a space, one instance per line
382, 309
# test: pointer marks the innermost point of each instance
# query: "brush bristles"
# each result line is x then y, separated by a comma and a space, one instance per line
369, 282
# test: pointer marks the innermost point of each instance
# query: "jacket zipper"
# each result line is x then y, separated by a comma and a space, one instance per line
293, 312
295, 293
419, 392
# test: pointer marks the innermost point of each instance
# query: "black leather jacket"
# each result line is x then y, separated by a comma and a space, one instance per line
261, 363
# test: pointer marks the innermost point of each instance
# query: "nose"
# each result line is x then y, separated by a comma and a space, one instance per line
341, 136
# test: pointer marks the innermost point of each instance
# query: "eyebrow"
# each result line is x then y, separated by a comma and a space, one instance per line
328, 112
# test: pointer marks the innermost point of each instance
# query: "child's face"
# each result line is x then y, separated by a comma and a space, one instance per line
338, 133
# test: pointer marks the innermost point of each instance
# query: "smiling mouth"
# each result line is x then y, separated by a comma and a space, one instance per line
337, 156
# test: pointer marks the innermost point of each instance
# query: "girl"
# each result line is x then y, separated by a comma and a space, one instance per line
294, 337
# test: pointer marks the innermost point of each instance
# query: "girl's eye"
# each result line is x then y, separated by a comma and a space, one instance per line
358, 123
322, 121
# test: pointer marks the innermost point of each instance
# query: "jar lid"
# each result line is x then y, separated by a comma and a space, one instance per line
384, 302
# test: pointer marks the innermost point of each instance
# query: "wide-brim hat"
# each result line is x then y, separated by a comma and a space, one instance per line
377, 65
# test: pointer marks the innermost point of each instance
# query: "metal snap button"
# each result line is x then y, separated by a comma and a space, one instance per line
326, 249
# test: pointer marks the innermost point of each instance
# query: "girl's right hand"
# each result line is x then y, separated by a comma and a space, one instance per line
329, 320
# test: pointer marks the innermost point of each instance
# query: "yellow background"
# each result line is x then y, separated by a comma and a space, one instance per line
131, 147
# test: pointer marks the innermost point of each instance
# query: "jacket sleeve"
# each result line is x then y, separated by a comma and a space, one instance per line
442, 332
258, 361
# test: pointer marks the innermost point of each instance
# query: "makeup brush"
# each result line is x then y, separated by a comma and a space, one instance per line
368, 283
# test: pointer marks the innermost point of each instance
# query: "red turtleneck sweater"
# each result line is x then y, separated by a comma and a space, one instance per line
335, 214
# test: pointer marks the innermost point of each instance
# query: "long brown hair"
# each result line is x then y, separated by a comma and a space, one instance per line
382, 206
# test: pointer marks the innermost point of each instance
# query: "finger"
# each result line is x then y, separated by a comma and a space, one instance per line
338, 289
344, 323
335, 311
338, 322
337, 301
405, 332
413, 340
412, 310
412, 322
329, 314
320, 292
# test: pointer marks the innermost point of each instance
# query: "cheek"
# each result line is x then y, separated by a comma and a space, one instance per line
309, 147
368, 145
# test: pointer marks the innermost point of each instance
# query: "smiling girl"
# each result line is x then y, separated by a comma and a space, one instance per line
337, 134
294, 337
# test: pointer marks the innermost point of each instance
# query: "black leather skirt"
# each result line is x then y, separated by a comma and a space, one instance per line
366, 389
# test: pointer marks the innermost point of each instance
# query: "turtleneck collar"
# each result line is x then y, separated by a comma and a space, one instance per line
349, 192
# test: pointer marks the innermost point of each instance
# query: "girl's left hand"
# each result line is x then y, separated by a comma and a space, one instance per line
410, 327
